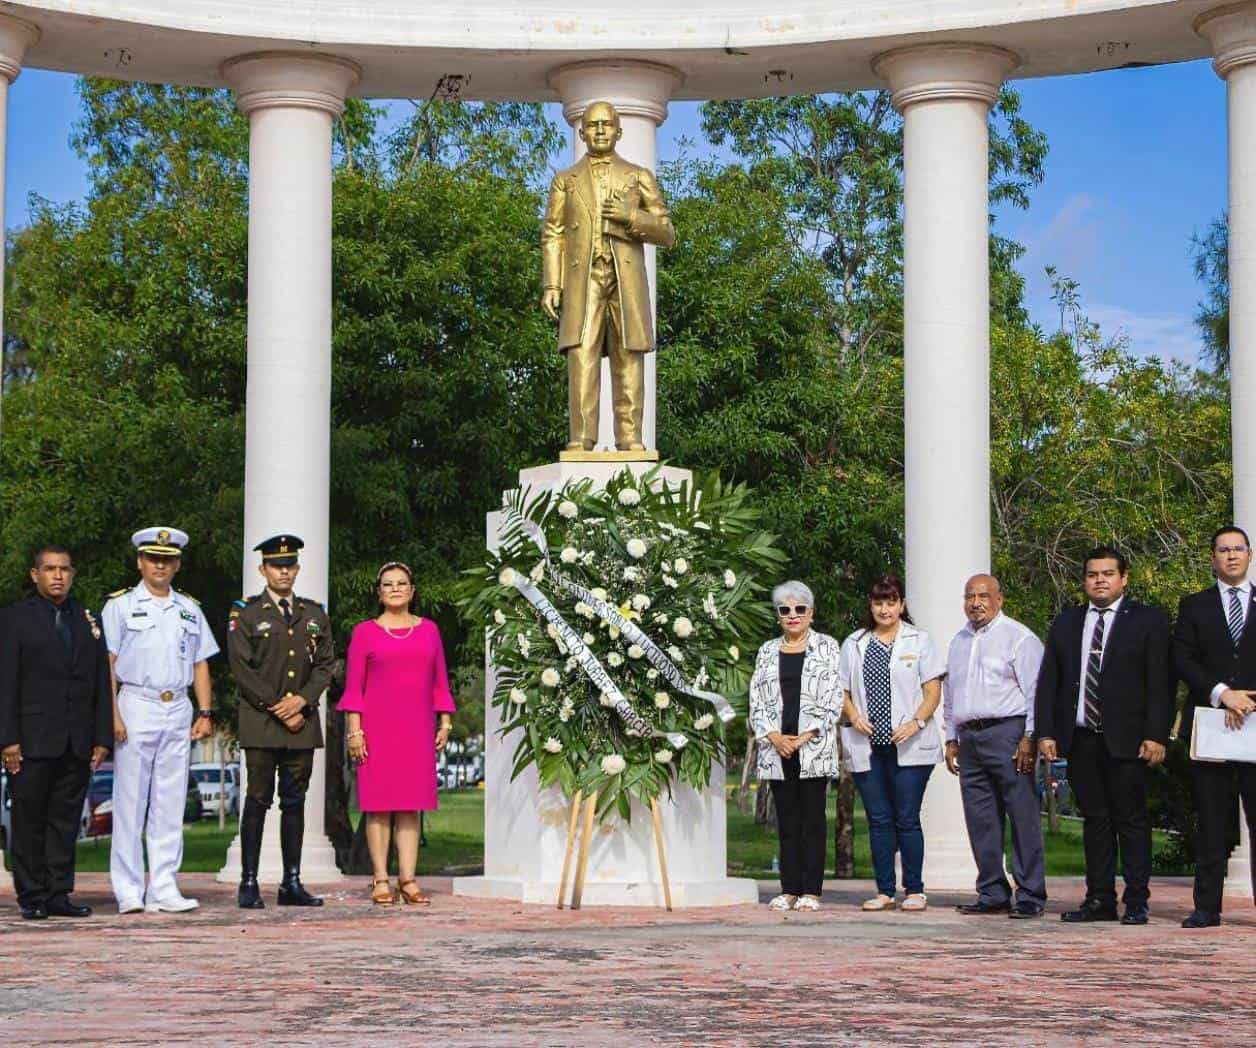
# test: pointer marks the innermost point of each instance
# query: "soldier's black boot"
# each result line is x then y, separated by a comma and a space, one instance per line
291, 831
252, 822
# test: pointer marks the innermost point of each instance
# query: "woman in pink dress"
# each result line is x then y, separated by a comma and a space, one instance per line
395, 685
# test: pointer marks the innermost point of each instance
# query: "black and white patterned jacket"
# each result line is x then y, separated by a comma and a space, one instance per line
819, 708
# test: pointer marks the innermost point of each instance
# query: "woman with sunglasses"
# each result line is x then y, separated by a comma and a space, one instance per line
396, 685
794, 705
891, 680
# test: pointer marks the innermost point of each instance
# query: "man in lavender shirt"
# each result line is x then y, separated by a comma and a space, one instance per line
988, 710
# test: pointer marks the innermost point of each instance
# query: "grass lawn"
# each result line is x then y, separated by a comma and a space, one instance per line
455, 842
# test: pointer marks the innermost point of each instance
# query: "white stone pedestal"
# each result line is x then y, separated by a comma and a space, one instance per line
525, 827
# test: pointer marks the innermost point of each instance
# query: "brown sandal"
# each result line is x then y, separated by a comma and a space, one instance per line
411, 894
382, 896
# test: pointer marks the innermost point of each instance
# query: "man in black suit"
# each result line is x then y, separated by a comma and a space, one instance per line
1105, 701
1214, 652
56, 724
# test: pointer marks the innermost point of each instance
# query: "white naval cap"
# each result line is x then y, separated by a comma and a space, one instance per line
163, 542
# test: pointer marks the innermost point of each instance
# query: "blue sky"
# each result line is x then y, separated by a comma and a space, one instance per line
1137, 164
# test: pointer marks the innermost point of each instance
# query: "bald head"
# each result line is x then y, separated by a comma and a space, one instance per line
983, 599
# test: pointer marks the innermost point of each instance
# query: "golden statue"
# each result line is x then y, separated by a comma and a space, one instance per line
601, 212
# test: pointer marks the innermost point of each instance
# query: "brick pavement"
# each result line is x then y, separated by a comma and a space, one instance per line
494, 973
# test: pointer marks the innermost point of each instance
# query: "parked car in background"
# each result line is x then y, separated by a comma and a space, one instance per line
97, 819
460, 770
214, 793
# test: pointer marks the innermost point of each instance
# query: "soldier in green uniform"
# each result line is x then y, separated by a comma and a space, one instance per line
280, 649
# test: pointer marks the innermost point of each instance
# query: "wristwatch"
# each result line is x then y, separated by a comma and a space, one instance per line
207, 714
921, 724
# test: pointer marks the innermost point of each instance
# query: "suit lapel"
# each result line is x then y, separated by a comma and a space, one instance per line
1247, 639
1076, 633
584, 187
1117, 627
47, 624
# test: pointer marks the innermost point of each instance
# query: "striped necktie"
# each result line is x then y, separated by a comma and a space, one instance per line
1234, 617
1093, 719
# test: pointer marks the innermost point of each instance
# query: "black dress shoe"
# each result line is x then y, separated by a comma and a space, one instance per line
1200, 919
34, 912
1089, 911
1139, 914
292, 892
249, 896
62, 907
979, 907
1025, 910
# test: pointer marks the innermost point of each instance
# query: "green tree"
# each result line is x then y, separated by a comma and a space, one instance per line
1211, 251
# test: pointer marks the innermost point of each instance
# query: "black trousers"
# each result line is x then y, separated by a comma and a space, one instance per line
294, 768
1217, 787
47, 796
1112, 795
803, 830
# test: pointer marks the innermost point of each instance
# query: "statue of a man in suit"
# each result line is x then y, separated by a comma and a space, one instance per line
601, 212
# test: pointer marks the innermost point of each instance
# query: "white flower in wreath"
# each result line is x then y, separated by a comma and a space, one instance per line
629, 497
666, 566
662, 700
518, 696
734, 652
598, 592
588, 638
675, 654
700, 681
538, 571
583, 609
587, 558
708, 606
506, 576
636, 549
499, 617
651, 674
614, 659
663, 756
612, 631
661, 618
680, 565
640, 602
730, 579
552, 630
523, 644
568, 510
635, 651
571, 664
565, 713
552, 745
605, 700
682, 627
569, 555
631, 574
669, 581
703, 722
550, 677
613, 764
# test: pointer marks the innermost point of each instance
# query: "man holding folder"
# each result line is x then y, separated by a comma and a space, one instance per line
1214, 652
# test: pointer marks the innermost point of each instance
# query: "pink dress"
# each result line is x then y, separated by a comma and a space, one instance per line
398, 686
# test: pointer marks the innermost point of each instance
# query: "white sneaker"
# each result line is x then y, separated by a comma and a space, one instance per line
130, 906
782, 902
173, 904
807, 902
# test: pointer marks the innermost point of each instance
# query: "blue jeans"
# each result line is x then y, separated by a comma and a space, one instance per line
892, 795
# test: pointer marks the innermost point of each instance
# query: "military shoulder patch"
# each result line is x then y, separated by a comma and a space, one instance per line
118, 593
240, 604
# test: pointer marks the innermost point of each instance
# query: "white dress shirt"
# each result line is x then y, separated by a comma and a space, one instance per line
1245, 599
991, 672
157, 641
1088, 630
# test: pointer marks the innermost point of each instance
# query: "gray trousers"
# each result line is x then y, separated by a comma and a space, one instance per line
993, 790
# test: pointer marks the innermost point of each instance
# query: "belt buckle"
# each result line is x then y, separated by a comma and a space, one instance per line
167, 696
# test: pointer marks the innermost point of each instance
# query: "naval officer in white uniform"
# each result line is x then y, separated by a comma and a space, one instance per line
159, 644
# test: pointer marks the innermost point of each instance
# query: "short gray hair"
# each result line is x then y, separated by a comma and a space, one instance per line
787, 591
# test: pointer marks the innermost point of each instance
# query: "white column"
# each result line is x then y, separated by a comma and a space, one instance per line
291, 101
639, 91
944, 93
16, 37
1231, 31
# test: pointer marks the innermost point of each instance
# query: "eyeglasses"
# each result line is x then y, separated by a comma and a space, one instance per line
797, 609
394, 585
1223, 550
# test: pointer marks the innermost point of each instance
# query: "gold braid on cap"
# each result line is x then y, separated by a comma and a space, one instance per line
379, 575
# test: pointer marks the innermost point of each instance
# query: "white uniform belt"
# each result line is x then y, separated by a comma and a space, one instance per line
155, 694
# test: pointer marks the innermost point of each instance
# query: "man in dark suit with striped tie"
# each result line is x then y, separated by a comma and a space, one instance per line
1214, 652
1105, 701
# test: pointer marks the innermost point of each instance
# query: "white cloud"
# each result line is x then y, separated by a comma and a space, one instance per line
1164, 335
